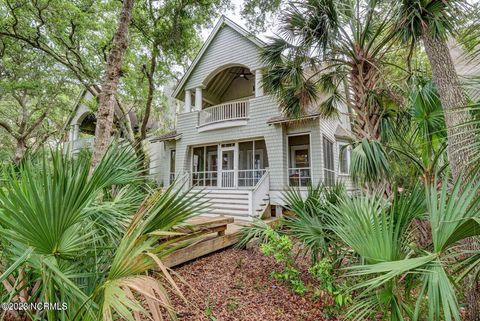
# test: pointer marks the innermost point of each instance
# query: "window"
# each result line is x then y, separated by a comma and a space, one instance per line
344, 154
172, 165
299, 173
328, 163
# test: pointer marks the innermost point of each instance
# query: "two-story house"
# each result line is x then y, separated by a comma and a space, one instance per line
232, 140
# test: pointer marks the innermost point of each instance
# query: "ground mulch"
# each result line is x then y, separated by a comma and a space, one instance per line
235, 284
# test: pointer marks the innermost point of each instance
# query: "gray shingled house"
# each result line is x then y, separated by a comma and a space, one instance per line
232, 140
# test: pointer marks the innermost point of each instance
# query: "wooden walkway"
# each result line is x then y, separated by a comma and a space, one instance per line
214, 233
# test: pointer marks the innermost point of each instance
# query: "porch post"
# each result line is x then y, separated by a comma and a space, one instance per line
198, 98
76, 129
219, 166
235, 165
188, 101
70, 134
258, 83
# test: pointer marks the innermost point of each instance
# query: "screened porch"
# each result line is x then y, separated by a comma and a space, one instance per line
229, 165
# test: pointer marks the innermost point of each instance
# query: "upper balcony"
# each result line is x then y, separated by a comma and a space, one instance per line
224, 115
223, 99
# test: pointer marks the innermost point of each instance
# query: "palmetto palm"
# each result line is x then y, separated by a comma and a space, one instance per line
88, 239
329, 53
380, 234
417, 137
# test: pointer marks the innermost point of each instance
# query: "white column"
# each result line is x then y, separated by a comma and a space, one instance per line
188, 101
76, 129
198, 98
258, 83
71, 133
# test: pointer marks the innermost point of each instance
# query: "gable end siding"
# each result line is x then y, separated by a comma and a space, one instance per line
227, 48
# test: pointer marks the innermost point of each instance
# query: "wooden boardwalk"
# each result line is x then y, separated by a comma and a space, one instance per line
214, 233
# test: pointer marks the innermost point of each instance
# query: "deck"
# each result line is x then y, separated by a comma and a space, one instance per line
215, 233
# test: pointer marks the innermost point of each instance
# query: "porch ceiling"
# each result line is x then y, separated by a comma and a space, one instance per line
217, 87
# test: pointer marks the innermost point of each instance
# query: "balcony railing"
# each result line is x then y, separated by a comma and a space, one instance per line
224, 112
300, 176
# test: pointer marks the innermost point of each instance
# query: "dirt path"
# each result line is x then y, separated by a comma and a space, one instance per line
235, 285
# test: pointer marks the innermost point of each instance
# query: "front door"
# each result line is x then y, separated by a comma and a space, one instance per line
227, 172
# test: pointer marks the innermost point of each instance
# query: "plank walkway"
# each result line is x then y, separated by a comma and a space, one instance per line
215, 233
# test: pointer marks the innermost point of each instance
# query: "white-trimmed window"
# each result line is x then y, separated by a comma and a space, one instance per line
299, 163
328, 163
172, 165
344, 155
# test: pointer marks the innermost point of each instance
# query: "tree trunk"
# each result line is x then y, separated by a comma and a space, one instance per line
142, 135
20, 151
454, 101
460, 137
106, 105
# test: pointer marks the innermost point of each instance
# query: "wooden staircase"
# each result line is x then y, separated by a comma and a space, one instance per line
238, 204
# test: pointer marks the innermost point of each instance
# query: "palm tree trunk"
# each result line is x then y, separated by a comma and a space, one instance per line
106, 105
460, 137
454, 102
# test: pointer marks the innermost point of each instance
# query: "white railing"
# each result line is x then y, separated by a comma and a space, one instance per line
300, 176
205, 178
228, 178
259, 196
227, 111
246, 178
250, 177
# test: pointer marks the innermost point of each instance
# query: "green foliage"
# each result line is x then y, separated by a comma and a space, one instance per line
324, 272
308, 222
257, 229
35, 100
280, 248
88, 238
369, 162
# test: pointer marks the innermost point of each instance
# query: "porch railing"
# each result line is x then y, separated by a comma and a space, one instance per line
223, 112
247, 178
250, 177
300, 176
260, 197
205, 178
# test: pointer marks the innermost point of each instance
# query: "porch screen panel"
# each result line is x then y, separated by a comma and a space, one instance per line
260, 162
198, 166
245, 164
328, 163
211, 159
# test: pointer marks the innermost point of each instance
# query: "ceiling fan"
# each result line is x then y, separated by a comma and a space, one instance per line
243, 74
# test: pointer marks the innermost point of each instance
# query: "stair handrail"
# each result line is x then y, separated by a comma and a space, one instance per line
259, 192
262, 179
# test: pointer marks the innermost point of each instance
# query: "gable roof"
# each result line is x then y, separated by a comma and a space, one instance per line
221, 22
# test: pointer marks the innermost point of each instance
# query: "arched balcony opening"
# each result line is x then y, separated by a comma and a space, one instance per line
224, 100
230, 84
